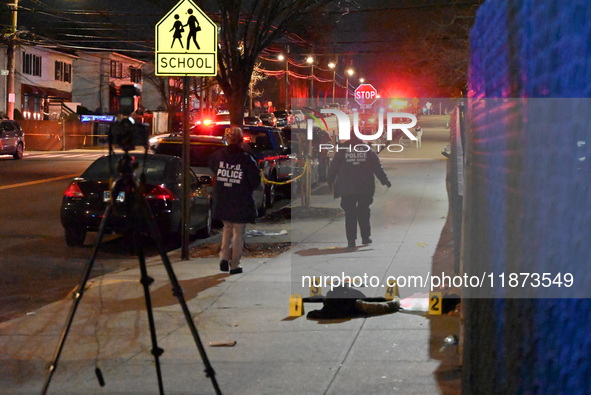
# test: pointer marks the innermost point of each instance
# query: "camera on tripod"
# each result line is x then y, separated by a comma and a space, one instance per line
126, 133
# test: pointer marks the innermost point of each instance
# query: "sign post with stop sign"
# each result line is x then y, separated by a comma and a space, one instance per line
366, 95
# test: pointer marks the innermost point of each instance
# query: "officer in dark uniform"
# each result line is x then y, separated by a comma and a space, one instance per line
351, 174
237, 176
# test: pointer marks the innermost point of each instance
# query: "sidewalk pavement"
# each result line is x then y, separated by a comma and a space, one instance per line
273, 354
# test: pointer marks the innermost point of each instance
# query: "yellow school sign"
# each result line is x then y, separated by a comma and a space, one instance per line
186, 42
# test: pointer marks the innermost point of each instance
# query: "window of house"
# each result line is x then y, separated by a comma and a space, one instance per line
31, 64
135, 75
63, 71
67, 72
116, 69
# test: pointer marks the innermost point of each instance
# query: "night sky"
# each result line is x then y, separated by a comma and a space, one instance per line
397, 44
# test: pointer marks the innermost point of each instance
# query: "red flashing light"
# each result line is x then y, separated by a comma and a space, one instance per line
73, 191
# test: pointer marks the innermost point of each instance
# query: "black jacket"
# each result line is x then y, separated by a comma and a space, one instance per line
236, 177
352, 172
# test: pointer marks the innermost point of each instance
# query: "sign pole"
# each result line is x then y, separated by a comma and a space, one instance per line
186, 45
186, 172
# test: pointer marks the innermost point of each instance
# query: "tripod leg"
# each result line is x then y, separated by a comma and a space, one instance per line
177, 291
146, 281
78, 297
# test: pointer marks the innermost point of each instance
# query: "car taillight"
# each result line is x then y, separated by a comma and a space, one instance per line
160, 192
73, 191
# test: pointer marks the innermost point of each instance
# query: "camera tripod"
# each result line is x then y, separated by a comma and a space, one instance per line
140, 218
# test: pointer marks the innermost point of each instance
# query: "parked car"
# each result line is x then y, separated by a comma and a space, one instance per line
12, 139
268, 119
299, 116
269, 146
284, 118
200, 150
222, 117
86, 197
253, 121
155, 139
320, 159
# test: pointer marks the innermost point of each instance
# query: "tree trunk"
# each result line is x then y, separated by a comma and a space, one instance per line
237, 99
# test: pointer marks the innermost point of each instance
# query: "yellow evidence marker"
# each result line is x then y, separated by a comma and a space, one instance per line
435, 303
392, 291
296, 305
315, 288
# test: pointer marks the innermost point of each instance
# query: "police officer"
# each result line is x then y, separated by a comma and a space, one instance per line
351, 174
237, 176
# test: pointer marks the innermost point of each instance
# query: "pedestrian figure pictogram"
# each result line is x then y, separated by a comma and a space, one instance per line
178, 31
194, 27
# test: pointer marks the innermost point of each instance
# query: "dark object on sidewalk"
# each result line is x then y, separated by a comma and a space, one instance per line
99, 376
224, 265
449, 303
223, 344
238, 270
451, 340
347, 302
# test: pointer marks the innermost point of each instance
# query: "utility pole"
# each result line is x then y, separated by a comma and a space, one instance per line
286, 84
10, 55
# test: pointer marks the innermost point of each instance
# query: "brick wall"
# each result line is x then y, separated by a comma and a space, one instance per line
528, 194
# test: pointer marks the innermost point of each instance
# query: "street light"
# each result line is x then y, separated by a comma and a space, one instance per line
310, 61
361, 80
349, 73
282, 58
333, 66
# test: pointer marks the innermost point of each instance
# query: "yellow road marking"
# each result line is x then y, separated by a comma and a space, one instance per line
25, 184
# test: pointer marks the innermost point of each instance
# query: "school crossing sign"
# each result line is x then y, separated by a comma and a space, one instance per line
186, 42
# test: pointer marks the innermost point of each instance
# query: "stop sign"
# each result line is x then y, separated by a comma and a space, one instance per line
366, 95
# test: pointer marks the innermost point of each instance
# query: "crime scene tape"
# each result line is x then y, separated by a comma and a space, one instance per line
267, 181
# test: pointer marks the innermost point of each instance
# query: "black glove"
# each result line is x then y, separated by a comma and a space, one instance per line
388, 184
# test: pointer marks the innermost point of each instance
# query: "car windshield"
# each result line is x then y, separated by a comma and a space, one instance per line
222, 117
258, 141
199, 154
106, 167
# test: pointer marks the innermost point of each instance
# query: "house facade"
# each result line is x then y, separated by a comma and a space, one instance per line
98, 77
43, 81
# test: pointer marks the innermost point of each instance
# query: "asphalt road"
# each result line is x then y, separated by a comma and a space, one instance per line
36, 266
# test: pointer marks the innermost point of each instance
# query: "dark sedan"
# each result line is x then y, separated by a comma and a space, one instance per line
268, 119
253, 121
85, 199
284, 118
